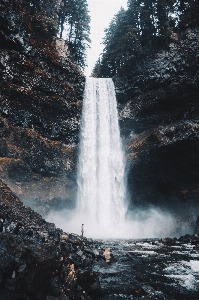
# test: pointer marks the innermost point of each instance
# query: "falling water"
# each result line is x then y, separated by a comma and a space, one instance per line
101, 205
101, 188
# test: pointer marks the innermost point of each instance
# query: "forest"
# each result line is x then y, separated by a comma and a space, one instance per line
143, 28
68, 19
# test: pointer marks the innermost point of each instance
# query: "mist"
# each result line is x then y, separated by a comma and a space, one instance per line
150, 223
101, 204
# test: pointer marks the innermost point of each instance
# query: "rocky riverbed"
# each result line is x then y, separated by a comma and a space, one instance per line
147, 269
150, 269
40, 261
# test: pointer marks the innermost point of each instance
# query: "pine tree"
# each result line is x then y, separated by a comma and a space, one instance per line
74, 22
146, 26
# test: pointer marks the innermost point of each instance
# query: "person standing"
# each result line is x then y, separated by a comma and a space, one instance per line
82, 230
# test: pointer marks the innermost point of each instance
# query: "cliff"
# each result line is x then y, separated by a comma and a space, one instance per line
158, 108
40, 109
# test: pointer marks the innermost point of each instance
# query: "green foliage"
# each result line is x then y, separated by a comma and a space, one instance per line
41, 16
74, 26
66, 18
143, 28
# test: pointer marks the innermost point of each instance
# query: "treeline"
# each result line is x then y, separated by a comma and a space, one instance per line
74, 27
144, 27
63, 18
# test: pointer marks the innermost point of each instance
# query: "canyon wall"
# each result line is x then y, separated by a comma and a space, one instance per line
159, 120
40, 110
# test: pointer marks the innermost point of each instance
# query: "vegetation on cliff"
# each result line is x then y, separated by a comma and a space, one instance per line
74, 25
145, 27
65, 18
40, 102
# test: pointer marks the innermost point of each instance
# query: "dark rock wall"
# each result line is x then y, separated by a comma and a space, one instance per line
40, 109
159, 120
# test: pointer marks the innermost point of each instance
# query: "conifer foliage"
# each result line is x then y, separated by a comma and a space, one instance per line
68, 19
146, 25
74, 26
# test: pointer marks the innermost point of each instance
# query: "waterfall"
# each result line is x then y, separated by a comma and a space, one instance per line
101, 188
101, 204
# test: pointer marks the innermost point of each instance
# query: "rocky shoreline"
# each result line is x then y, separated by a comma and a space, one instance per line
40, 261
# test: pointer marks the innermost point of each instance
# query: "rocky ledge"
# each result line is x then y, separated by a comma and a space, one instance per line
158, 109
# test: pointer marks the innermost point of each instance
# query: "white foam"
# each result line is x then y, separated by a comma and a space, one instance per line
101, 189
185, 272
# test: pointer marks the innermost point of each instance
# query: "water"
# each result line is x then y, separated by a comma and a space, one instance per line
101, 203
101, 188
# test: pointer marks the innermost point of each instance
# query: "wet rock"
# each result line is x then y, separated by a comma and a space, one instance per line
168, 241
46, 263
22, 268
158, 112
148, 289
62, 297
185, 239
55, 288
90, 283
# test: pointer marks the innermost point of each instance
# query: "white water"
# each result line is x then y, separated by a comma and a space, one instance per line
101, 189
101, 205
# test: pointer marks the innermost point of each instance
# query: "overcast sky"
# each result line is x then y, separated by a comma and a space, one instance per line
101, 12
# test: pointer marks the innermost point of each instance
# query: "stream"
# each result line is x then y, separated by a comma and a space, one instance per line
149, 269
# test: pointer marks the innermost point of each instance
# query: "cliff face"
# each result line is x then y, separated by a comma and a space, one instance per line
158, 107
40, 109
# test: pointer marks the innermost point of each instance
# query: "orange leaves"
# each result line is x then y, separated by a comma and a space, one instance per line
67, 149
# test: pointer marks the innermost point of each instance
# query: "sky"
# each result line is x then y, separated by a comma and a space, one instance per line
101, 12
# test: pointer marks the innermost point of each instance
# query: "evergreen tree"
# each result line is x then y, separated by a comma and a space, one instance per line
146, 26
121, 45
74, 23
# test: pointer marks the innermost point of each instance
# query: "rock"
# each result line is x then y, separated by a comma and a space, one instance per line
64, 237
89, 282
148, 289
39, 264
21, 268
62, 297
41, 101
168, 241
158, 116
96, 289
